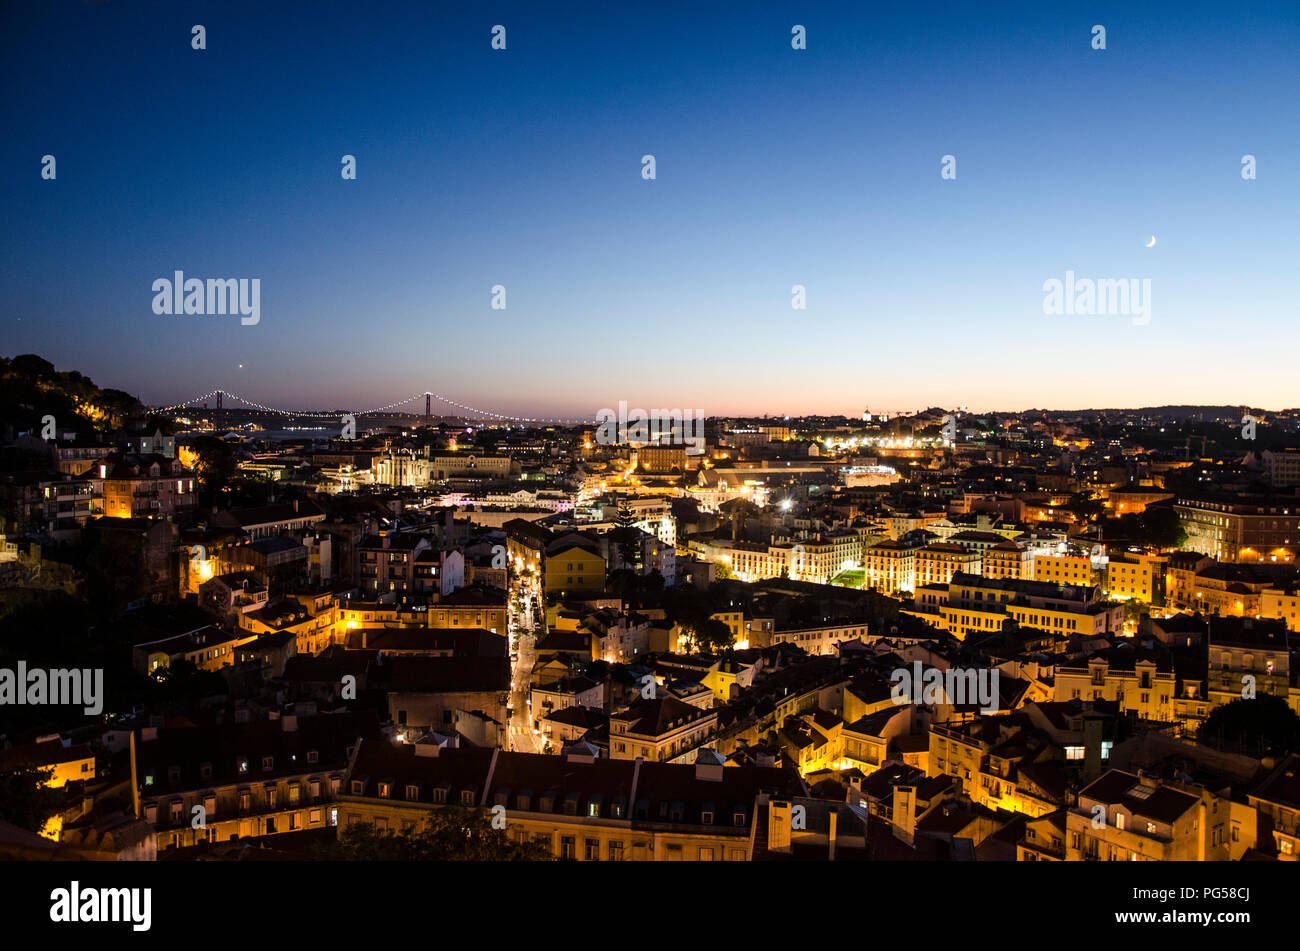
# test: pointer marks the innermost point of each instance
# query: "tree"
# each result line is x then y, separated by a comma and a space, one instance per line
449, 835
216, 466
1264, 724
626, 540
26, 799
1084, 506
115, 570
713, 636
1159, 527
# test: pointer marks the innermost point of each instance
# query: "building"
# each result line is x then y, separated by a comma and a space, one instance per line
661, 459
270, 521
266, 777
472, 466
1283, 467
387, 562
580, 808
1282, 603
1071, 566
526, 545
937, 563
1138, 683
660, 730
1241, 528
430, 693
1136, 576
890, 565
971, 604
573, 564
1248, 656
1277, 801
153, 488
207, 648
1122, 817
1008, 559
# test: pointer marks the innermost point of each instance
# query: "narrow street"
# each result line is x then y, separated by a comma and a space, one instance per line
523, 645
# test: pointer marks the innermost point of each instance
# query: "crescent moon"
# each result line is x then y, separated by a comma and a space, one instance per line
1152, 242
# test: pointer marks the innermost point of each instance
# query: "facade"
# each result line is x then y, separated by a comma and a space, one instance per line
1241, 528
159, 488
1008, 559
890, 565
573, 564
971, 604
580, 808
1248, 657
246, 779
937, 563
1070, 567
1139, 685
660, 730
387, 561
1137, 576
1137, 819
207, 648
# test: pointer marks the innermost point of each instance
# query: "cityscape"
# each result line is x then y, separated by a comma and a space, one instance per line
1037, 636
745, 434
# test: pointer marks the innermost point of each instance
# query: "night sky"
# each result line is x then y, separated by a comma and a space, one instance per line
775, 167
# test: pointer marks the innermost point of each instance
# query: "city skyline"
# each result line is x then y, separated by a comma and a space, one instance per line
775, 167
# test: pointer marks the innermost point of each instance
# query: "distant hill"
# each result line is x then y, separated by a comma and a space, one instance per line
30, 388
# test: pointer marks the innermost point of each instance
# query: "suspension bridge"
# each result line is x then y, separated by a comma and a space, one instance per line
468, 412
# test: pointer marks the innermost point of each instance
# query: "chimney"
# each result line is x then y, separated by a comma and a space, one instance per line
1092, 732
830, 835
295, 505
709, 772
778, 825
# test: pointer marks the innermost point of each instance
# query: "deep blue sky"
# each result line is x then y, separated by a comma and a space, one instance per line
775, 168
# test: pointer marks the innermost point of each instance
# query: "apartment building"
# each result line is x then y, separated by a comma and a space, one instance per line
1248, 656
386, 562
271, 521
1136, 576
1140, 684
890, 566
1282, 603
1007, 559
573, 564
1277, 800
580, 808
660, 730
207, 648
1123, 817
818, 639
157, 488
971, 604
1072, 566
246, 778
1241, 528
938, 562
